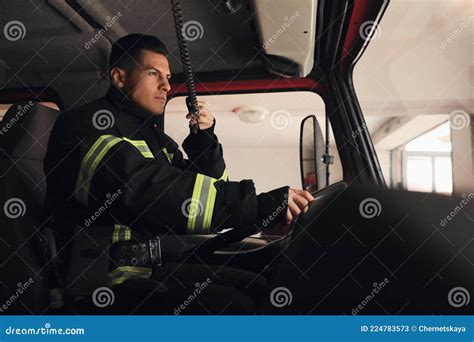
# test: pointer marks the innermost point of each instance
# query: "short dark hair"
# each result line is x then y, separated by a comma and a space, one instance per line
127, 50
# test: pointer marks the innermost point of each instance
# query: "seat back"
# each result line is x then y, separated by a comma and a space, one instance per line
24, 134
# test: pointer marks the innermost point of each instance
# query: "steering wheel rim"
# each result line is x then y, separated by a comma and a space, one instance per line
223, 240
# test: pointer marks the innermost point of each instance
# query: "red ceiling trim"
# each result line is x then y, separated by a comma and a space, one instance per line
243, 86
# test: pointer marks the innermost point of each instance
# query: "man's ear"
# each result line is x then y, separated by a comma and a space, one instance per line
117, 76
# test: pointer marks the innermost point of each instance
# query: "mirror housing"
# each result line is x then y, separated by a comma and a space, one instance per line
312, 155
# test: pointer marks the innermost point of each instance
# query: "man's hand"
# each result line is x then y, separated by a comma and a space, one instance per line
205, 121
298, 201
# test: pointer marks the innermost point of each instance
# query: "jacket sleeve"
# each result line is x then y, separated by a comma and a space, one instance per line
153, 194
204, 152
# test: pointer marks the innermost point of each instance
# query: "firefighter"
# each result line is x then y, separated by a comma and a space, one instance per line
109, 163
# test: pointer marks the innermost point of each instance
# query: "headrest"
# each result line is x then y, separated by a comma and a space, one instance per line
25, 129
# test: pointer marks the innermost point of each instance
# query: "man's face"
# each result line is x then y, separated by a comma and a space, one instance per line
147, 84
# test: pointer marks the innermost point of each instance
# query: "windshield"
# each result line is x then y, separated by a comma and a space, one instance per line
266, 150
416, 75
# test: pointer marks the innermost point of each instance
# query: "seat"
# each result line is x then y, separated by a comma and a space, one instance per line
24, 134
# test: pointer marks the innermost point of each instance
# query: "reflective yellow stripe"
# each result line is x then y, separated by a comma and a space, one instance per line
202, 203
84, 166
168, 155
142, 146
122, 273
194, 207
121, 233
89, 164
224, 176
201, 207
211, 199
94, 156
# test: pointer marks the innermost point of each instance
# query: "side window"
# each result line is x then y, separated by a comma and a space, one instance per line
260, 134
426, 162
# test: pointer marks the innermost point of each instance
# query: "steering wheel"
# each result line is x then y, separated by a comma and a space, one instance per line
321, 199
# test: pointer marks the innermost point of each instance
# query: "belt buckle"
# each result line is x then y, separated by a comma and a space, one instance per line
154, 248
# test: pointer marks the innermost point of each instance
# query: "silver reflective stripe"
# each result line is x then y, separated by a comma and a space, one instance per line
199, 221
168, 155
122, 273
121, 233
93, 157
201, 208
224, 176
89, 165
142, 146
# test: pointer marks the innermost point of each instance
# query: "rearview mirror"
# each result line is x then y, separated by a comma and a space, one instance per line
313, 169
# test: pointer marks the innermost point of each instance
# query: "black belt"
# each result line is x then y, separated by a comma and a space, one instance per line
144, 254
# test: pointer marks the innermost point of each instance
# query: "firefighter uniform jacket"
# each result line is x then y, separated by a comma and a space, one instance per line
109, 162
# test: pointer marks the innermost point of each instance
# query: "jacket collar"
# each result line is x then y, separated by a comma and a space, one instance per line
120, 100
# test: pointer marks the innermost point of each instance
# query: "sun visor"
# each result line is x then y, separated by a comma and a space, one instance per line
287, 32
